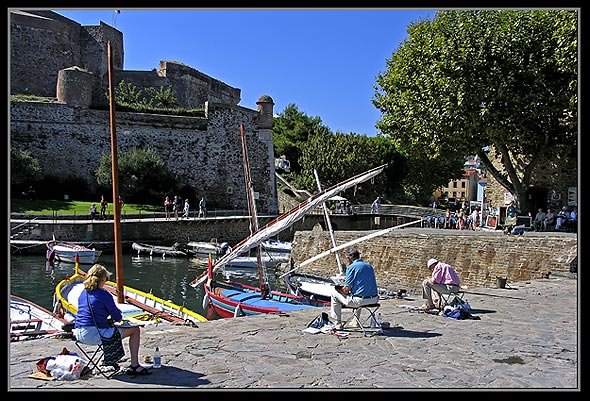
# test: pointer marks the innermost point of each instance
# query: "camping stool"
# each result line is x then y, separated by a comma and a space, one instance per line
94, 360
447, 298
364, 324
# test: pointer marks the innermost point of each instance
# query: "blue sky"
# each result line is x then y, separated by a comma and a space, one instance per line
323, 60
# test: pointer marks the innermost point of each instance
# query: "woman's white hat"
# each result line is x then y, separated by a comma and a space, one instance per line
431, 262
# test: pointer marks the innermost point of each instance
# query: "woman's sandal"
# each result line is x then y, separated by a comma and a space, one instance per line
425, 308
137, 371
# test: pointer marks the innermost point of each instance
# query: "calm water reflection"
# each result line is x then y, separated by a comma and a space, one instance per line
166, 278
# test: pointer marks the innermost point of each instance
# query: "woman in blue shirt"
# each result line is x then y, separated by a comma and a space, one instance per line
93, 323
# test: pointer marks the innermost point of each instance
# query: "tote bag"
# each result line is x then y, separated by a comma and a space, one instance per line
113, 348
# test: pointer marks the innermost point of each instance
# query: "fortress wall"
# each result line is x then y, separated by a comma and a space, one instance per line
205, 151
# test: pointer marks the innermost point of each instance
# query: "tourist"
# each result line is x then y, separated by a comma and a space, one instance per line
443, 280
360, 287
95, 306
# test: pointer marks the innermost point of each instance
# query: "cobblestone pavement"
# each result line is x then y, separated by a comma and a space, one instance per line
527, 337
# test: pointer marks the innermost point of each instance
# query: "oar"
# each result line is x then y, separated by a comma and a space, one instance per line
347, 244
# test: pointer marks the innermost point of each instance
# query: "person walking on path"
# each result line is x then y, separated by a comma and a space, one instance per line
167, 207
202, 207
376, 205
444, 279
103, 208
185, 209
176, 206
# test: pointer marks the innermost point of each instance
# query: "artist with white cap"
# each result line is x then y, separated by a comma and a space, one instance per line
444, 280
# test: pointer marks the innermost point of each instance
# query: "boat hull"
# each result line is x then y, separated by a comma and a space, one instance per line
29, 320
163, 251
66, 252
139, 306
236, 299
310, 286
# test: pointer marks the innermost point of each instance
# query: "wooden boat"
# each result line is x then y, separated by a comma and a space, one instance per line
273, 247
205, 248
252, 261
29, 320
139, 306
62, 251
235, 299
178, 250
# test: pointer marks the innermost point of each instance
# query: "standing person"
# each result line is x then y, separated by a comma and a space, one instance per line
444, 279
167, 207
103, 208
202, 207
360, 287
121, 204
375, 205
95, 305
185, 209
93, 211
176, 206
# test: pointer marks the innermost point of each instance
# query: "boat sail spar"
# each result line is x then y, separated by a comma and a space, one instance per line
287, 219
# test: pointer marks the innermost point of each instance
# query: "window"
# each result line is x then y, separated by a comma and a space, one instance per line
462, 184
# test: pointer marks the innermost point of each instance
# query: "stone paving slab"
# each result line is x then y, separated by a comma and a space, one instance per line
527, 338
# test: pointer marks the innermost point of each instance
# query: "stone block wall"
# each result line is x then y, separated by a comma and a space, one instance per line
205, 151
400, 256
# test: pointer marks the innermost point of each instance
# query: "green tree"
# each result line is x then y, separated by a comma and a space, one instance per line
142, 175
340, 156
24, 168
473, 82
127, 93
291, 130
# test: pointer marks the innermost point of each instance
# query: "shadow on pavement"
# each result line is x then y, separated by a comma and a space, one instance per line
400, 332
166, 375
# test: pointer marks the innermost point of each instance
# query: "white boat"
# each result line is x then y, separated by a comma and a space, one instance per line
208, 248
29, 320
273, 247
252, 261
62, 251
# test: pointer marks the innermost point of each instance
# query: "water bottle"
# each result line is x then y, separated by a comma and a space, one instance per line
157, 358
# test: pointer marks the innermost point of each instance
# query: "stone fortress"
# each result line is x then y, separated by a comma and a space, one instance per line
55, 57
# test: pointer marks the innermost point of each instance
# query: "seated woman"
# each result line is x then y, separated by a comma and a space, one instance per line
95, 306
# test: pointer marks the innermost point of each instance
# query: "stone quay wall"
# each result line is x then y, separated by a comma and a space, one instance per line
479, 257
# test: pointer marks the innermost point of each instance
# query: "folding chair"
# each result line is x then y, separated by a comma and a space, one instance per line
369, 322
94, 358
447, 298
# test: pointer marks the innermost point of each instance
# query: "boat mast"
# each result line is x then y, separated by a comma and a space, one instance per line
328, 223
252, 209
115, 176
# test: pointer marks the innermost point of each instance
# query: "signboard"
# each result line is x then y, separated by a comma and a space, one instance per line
572, 196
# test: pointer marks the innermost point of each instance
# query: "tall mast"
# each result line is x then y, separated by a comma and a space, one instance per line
252, 208
115, 176
328, 223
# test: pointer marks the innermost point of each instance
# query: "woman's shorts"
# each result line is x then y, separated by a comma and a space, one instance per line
90, 334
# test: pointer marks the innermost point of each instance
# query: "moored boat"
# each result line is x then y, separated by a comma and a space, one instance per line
139, 306
202, 248
63, 251
29, 320
177, 250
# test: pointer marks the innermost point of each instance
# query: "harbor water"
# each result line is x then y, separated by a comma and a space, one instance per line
167, 278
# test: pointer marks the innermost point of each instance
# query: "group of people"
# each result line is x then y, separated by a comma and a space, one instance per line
97, 308
172, 207
565, 219
360, 286
103, 208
